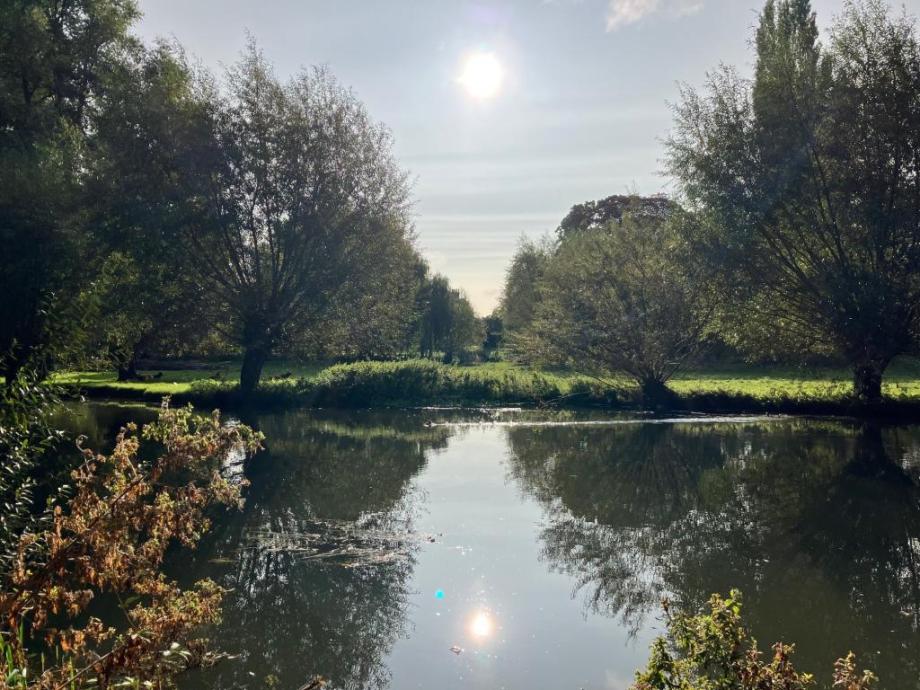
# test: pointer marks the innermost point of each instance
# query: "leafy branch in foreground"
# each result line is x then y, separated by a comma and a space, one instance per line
111, 539
714, 651
26, 436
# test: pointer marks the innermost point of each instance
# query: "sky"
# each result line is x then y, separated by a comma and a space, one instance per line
580, 112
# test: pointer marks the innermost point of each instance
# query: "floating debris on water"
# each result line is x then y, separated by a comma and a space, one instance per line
341, 543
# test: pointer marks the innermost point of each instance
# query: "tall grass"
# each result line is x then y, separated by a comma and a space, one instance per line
418, 383
423, 382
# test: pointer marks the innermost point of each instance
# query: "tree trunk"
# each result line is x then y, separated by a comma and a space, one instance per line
253, 361
655, 393
867, 380
127, 370
871, 460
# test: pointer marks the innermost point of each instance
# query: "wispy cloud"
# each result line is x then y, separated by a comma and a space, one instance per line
622, 13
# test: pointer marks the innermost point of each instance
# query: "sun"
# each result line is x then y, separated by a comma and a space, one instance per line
482, 75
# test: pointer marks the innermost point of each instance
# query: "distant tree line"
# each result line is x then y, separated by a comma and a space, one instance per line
795, 232
148, 207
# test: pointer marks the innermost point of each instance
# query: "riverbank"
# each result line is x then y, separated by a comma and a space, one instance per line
417, 383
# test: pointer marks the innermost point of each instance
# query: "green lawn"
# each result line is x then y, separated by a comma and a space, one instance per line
420, 382
180, 381
902, 380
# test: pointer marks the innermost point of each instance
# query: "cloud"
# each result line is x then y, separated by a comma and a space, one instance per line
622, 13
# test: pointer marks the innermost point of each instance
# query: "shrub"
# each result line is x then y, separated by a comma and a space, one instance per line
419, 382
26, 436
111, 537
714, 651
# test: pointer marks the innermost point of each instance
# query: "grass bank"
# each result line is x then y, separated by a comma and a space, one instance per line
741, 389
361, 384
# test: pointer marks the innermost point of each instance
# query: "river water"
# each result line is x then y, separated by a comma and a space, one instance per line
503, 549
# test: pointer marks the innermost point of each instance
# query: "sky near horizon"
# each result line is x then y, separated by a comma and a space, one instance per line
579, 114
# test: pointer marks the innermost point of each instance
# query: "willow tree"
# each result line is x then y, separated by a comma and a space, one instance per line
808, 177
621, 300
300, 198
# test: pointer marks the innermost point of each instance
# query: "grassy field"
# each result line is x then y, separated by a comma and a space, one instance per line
902, 380
421, 382
178, 381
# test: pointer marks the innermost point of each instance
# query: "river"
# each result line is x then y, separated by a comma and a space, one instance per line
504, 549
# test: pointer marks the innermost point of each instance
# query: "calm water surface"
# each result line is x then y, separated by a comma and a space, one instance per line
441, 550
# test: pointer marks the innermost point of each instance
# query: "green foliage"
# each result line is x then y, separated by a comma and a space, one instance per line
299, 203
596, 215
55, 57
447, 322
804, 180
372, 318
521, 294
494, 329
111, 538
26, 437
144, 292
714, 651
423, 381
117, 311
718, 389
620, 300
55, 60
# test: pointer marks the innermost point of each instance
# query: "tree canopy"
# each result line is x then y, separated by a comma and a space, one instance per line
55, 60
620, 300
299, 202
520, 295
806, 181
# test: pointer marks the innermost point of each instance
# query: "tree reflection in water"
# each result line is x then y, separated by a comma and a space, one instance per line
321, 558
818, 523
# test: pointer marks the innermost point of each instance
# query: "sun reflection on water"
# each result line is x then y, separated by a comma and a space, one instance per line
481, 625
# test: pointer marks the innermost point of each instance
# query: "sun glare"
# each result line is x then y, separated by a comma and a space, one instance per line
481, 625
482, 75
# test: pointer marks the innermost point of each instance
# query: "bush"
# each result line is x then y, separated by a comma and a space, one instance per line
423, 382
26, 436
714, 651
110, 537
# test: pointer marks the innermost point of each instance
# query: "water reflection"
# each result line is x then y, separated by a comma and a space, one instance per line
405, 541
481, 625
321, 559
818, 523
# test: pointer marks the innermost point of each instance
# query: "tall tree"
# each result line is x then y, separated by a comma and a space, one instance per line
146, 293
521, 295
620, 300
54, 61
594, 215
807, 180
448, 323
300, 196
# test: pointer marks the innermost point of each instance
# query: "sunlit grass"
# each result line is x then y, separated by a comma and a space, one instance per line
902, 380
424, 382
181, 381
